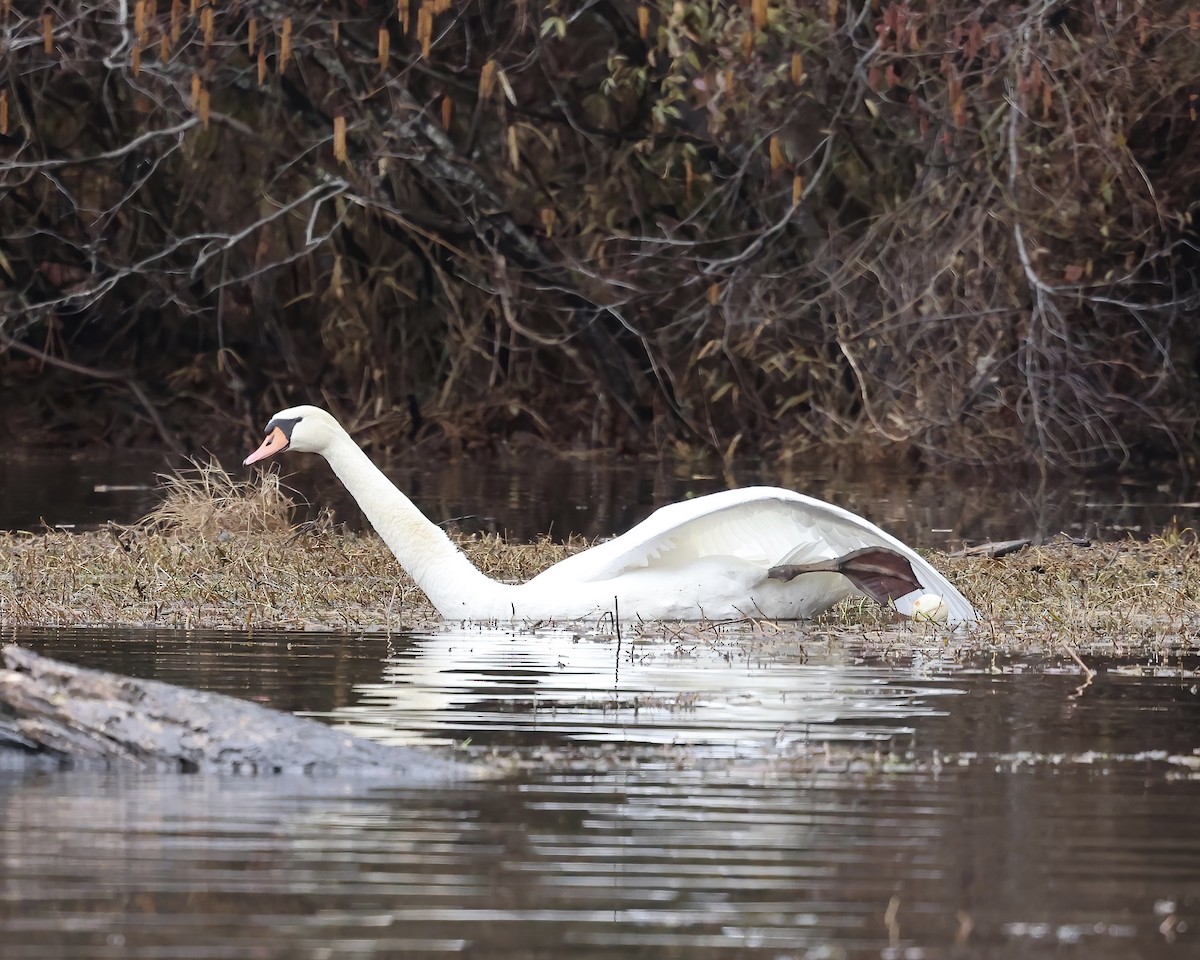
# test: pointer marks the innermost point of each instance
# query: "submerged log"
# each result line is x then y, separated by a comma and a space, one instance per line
77, 716
994, 549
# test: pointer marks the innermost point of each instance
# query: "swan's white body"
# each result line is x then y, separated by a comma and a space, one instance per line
705, 558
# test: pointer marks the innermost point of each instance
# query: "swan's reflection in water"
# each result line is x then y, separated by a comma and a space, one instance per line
504, 687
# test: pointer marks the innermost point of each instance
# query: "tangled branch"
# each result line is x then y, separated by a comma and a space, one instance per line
958, 229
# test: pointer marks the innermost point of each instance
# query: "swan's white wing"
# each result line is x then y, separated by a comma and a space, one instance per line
760, 525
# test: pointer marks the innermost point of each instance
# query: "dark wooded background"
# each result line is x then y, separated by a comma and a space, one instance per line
955, 230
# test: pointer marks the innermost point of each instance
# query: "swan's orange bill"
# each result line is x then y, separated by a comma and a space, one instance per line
276, 441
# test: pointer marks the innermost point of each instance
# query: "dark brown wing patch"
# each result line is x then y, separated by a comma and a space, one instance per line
882, 574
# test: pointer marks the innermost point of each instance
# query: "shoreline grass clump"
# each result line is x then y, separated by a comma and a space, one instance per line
224, 553
204, 500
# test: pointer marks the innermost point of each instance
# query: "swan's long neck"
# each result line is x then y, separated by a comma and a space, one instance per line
439, 568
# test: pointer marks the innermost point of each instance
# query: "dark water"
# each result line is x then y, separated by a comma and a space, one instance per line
540, 493
720, 797
712, 797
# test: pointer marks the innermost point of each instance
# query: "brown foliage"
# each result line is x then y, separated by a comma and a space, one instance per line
203, 502
965, 229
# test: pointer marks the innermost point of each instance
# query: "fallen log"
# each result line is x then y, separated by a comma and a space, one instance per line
76, 716
994, 549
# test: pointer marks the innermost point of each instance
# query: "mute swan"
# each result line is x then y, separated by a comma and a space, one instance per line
754, 552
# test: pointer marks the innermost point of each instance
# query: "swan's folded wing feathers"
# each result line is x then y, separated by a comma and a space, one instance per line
763, 525
766, 526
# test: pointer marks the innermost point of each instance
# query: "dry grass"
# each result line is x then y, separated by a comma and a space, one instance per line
233, 560
139, 577
205, 501
1121, 596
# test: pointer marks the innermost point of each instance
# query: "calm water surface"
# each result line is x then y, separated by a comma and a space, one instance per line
720, 797
540, 493
714, 797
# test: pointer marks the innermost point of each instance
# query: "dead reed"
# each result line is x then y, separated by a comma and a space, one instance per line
204, 501
220, 553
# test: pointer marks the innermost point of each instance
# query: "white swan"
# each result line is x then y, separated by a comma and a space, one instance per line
753, 552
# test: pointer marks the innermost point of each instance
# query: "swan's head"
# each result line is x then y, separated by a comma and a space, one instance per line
930, 608
306, 429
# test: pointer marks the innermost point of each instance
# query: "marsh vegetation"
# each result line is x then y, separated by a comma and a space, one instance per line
219, 552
